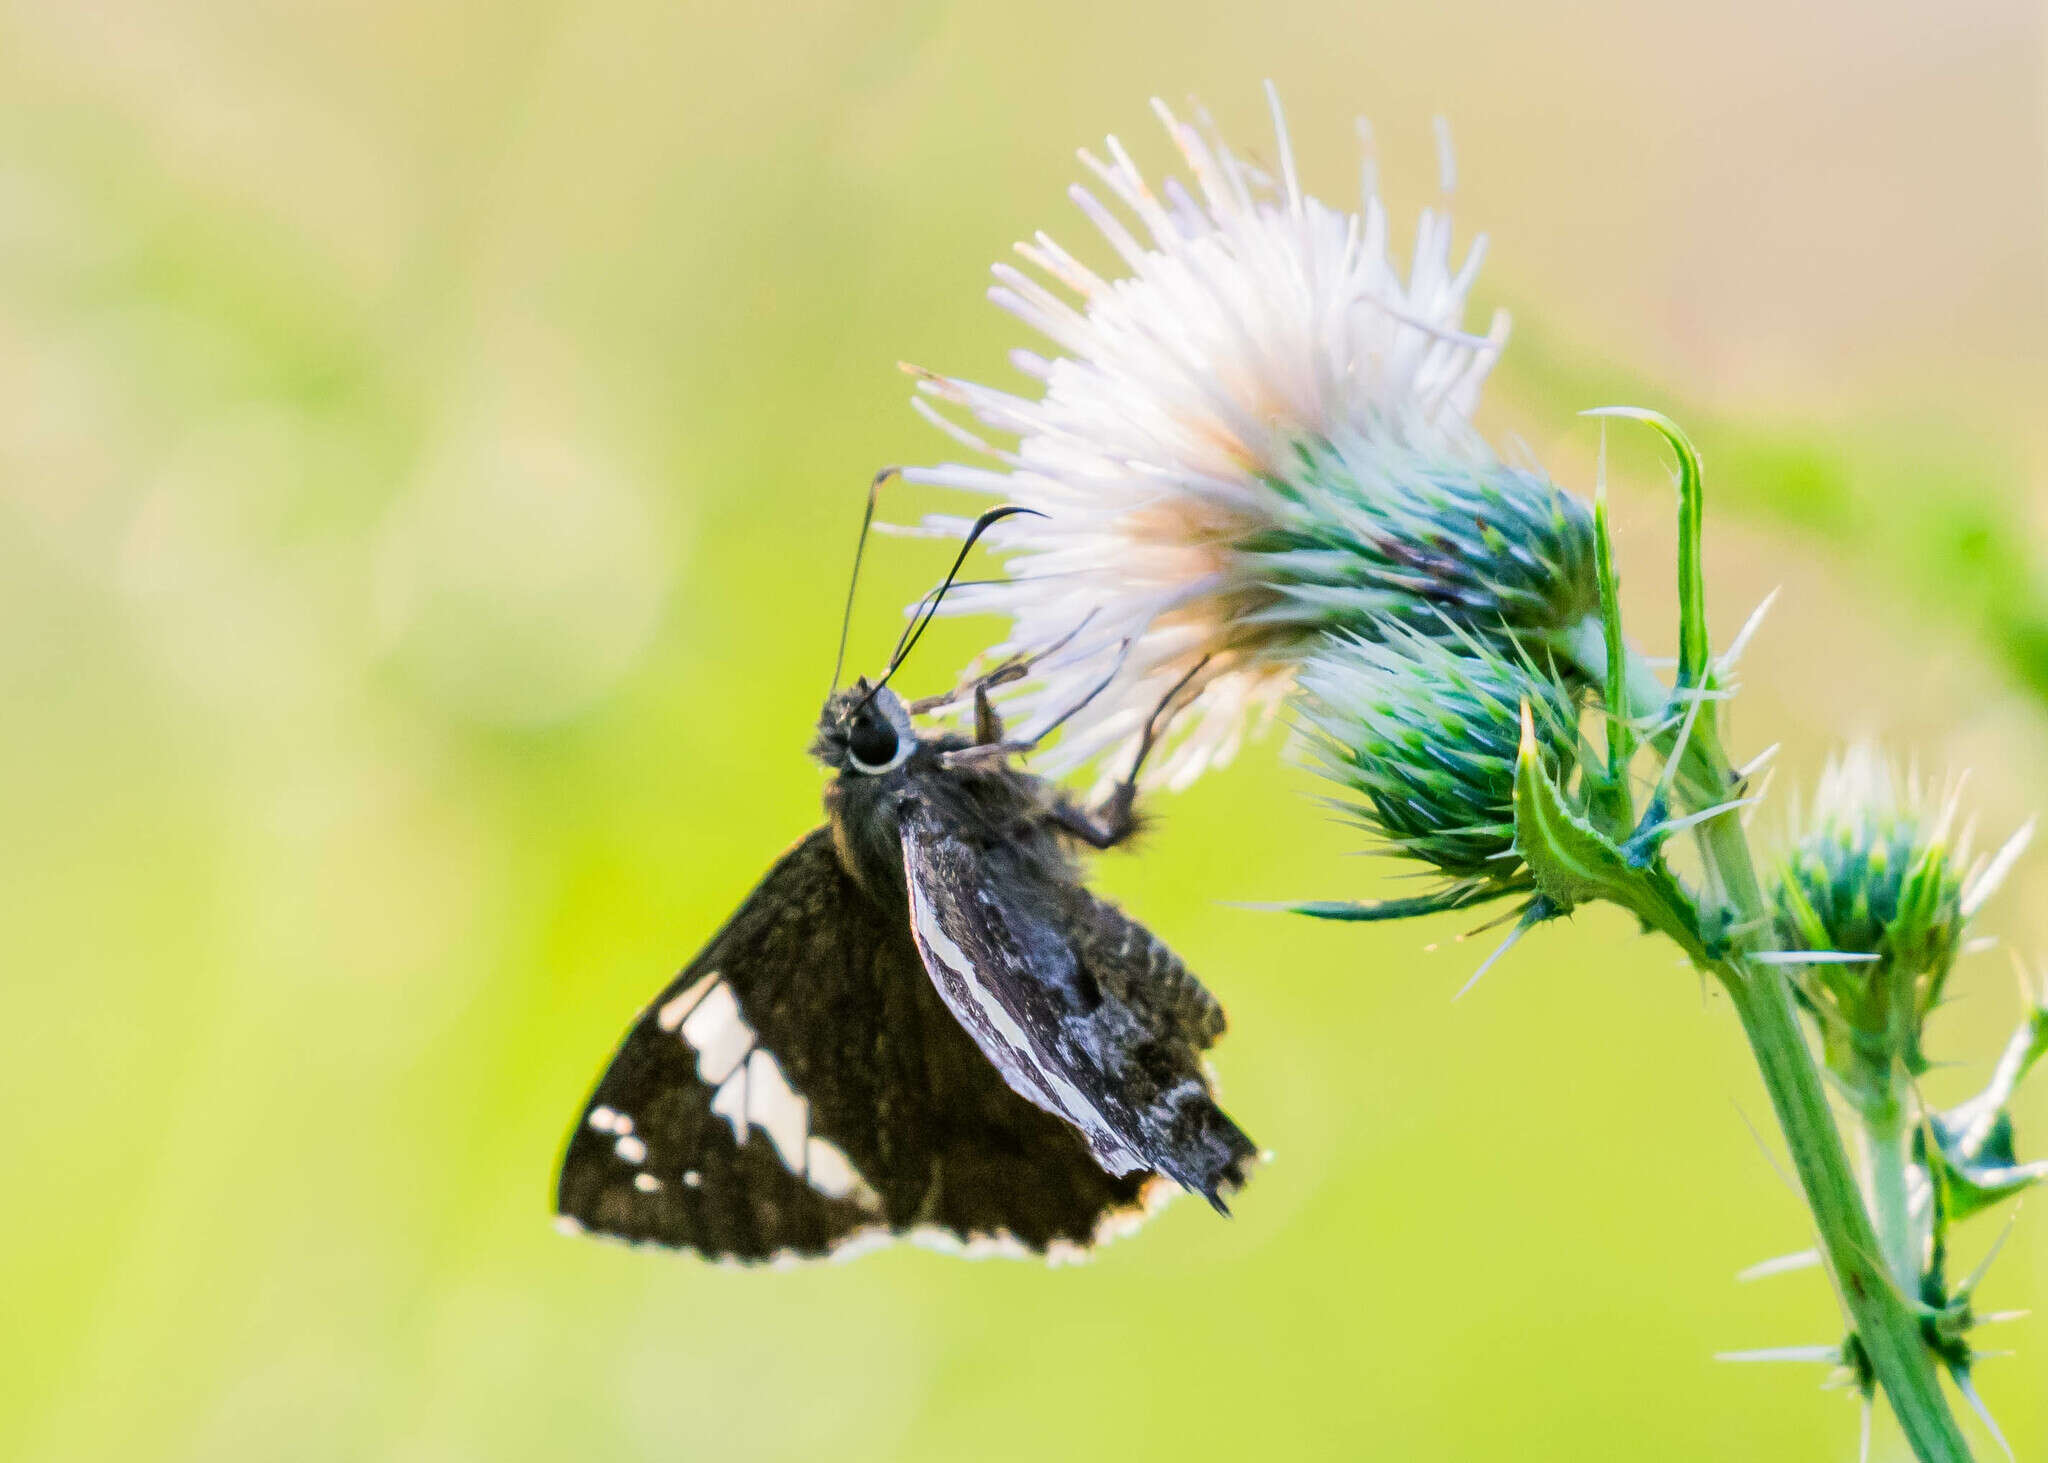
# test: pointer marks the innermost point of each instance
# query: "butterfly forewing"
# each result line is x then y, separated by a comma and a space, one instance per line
800, 1085
1084, 1012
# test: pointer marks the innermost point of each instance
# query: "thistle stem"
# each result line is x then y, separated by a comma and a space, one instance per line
1885, 1319
1886, 1324
1887, 1162
1879, 1306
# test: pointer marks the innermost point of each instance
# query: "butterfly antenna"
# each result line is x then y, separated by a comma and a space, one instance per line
928, 604
860, 547
928, 607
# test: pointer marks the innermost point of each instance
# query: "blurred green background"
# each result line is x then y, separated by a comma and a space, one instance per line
431, 438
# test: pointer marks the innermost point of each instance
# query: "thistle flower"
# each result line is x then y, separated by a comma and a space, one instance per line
1251, 466
1424, 734
1259, 431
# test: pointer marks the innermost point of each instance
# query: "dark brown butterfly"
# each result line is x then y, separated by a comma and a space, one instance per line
921, 1024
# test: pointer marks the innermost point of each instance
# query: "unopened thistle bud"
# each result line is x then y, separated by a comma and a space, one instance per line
1877, 872
1424, 734
1255, 433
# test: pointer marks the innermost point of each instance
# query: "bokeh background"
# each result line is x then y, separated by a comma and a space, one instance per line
431, 437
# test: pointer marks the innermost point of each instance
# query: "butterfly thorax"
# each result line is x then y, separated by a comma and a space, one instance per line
885, 767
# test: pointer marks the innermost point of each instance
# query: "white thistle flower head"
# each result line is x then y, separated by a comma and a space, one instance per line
1259, 429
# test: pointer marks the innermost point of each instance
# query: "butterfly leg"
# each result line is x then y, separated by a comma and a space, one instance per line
989, 746
1115, 819
988, 726
988, 722
1104, 826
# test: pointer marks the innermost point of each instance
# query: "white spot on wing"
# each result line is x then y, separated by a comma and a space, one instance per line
730, 1103
646, 1183
673, 1010
630, 1150
774, 1107
692, 1178
718, 1034
831, 1174
828, 1170
751, 1091
601, 1118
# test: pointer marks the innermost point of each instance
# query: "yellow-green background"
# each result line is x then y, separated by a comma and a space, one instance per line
430, 441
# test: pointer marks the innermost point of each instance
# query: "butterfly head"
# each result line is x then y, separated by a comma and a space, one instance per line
865, 731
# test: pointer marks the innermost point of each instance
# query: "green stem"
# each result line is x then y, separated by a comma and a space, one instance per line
1886, 1325
1887, 1161
1886, 1322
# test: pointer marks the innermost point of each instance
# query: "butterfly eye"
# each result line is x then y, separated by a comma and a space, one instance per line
874, 743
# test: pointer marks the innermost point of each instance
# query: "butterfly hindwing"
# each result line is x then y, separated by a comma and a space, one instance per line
800, 1085
1084, 1012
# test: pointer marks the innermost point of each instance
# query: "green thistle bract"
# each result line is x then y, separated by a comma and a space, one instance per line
1430, 541
1424, 733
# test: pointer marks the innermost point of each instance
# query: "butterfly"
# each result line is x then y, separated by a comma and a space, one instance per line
920, 1024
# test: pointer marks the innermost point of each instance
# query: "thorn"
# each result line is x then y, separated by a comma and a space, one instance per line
1493, 924
1749, 627
1782, 1265
1944, 821
2027, 996
1769, 1157
1489, 962
2000, 1318
1679, 825
1863, 1447
1600, 471
1986, 883
1969, 1287
1703, 693
1757, 763
1678, 747
1811, 957
1832, 1355
1762, 788
1969, 1391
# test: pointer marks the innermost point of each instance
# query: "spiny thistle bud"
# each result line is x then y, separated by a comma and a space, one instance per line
1425, 734
1875, 873
1376, 533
